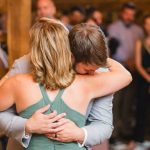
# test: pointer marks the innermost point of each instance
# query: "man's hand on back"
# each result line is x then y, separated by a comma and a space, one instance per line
68, 132
40, 123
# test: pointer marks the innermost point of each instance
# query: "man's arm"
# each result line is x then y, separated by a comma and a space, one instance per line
100, 121
11, 124
99, 124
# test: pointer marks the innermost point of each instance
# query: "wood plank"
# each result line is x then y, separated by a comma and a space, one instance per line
3, 38
18, 24
3, 5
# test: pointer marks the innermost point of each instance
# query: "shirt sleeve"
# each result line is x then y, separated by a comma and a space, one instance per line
100, 121
20, 66
99, 124
11, 124
85, 138
14, 126
15, 69
26, 139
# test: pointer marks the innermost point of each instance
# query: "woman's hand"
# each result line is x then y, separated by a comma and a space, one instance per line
40, 123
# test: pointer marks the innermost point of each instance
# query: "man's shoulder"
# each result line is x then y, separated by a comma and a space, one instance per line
23, 63
20, 66
23, 59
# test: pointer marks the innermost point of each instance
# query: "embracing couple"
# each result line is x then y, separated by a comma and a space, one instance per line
58, 88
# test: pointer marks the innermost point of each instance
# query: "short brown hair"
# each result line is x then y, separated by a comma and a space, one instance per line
128, 5
88, 44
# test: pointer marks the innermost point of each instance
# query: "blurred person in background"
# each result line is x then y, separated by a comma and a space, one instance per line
127, 33
89, 18
3, 54
77, 15
64, 18
90, 21
96, 16
124, 32
2, 23
45, 8
3, 62
3, 31
142, 62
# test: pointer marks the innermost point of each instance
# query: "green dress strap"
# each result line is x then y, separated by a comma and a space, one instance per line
59, 95
44, 94
46, 97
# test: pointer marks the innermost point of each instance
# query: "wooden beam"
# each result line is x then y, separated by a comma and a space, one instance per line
3, 5
3, 38
18, 24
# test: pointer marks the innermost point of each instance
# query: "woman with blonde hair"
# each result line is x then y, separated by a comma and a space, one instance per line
54, 82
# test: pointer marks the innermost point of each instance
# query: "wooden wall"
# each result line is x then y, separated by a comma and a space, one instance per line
3, 5
104, 5
18, 25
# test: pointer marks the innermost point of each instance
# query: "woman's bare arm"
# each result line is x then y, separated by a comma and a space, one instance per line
138, 62
102, 84
7, 94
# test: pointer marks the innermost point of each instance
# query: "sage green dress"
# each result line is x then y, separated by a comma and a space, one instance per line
41, 142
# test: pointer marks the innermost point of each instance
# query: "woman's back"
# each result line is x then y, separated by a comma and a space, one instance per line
75, 96
39, 142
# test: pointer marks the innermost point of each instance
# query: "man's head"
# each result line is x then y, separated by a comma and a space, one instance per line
95, 14
128, 12
89, 48
77, 15
64, 17
98, 17
45, 8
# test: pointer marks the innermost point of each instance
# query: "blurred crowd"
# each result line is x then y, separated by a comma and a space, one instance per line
129, 44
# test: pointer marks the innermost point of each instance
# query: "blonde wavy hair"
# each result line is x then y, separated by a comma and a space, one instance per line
50, 54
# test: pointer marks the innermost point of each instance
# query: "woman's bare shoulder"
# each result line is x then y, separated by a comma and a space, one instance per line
85, 81
22, 77
18, 80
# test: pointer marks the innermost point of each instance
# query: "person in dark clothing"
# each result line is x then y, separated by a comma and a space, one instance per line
142, 61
